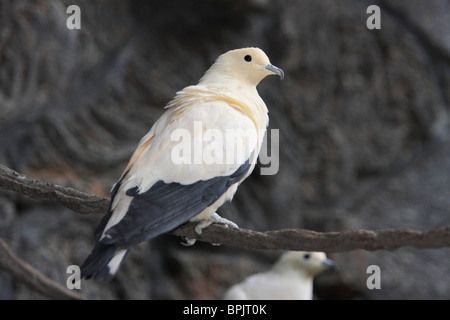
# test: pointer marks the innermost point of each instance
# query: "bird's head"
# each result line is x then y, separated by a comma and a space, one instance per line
247, 65
309, 263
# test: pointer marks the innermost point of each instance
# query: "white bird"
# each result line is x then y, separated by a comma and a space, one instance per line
290, 278
221, 123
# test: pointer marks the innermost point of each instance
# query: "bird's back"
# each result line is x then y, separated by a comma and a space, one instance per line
271, 286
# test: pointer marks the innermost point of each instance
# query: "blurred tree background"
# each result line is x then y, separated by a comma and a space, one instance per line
363, 118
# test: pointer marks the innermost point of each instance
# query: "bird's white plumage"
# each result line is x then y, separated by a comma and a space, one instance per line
115, 262
291, 278
221, 101
155, 161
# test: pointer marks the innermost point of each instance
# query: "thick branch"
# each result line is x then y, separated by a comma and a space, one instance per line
307, 240
75, 200
288, 239
25, 273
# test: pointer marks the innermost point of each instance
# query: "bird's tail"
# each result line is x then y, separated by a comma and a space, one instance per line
103, 262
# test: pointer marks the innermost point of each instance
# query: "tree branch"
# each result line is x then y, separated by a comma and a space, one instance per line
75, 200
287, 239
307, 240
25, 273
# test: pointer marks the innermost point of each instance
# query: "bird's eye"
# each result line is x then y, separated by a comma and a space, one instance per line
306, 256
248, 58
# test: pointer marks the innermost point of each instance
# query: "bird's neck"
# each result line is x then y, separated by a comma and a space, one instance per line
283, 268
228, 83
243, 97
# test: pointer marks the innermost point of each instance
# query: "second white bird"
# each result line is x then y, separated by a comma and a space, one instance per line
291, 278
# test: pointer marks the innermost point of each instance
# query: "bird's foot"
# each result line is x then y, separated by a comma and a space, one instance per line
187, 242
214, 218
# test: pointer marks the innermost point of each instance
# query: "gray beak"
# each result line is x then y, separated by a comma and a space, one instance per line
328, 263
275, 70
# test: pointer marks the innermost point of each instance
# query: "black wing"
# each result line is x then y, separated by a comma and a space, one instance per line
166, 206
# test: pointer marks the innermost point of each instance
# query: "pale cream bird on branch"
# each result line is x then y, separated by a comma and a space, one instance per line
290, 278
166, 183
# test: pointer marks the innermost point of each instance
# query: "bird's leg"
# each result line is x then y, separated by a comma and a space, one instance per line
214, 218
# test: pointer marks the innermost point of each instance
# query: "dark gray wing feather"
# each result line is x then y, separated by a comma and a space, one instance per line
165, 206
